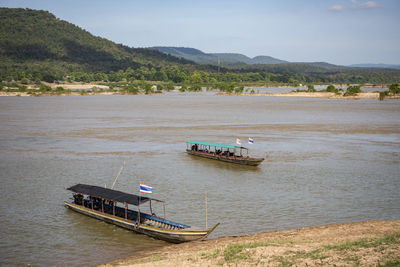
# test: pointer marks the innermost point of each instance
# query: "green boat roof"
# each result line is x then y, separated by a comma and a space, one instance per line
213, 144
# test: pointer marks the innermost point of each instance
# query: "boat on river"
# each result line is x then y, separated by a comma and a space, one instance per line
228, 153
112, 206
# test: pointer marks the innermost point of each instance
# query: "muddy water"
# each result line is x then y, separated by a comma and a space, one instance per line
327, 161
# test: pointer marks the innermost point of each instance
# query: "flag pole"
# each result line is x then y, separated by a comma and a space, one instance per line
140, 198
205, 196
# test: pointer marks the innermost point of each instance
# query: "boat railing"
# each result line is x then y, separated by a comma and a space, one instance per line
131, 214
219, 153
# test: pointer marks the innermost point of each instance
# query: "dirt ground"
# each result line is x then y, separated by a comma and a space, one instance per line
324, 95
370, 243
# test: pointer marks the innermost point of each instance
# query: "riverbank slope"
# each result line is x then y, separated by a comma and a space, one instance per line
369, 243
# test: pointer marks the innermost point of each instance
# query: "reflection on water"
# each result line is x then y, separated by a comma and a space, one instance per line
327, 161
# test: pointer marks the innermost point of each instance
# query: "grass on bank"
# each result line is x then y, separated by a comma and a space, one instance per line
242, 252
367, 243
235, 252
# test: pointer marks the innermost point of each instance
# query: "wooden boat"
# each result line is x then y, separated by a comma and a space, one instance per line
228, 153
112, 206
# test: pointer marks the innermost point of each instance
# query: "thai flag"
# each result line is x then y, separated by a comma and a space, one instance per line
251, 141
146, 189
238, 141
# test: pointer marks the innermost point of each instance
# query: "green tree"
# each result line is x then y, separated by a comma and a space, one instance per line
169, 87
310, 88
394, 88
132, 89
195, 88
160, 88
183, 88
331, 88
196, 77
148, 89
44, 88
239, 90
24, 81
352, 90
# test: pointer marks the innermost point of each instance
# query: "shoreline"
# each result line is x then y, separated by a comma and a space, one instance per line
290, 94
372, 95
322, 95
368, 243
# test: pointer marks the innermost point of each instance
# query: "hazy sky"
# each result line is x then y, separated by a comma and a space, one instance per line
335, 31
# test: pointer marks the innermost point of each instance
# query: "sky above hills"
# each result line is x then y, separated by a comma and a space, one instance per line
336, 31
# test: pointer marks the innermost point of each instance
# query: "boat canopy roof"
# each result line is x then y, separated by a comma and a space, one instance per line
110, 194
214, 144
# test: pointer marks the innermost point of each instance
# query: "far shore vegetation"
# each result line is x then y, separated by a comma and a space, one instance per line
132, 87
59, 53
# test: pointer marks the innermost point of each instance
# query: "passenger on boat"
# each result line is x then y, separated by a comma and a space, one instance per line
78, 198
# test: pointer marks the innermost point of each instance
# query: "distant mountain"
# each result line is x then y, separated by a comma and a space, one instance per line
380, 66
187, 53
200, 57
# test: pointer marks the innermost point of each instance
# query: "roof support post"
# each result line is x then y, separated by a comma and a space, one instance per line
102, 205
91, 201
164, 210
126, 210
113, 204
151, 210
138, 218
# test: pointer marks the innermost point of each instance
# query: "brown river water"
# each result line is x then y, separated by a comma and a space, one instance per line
327, 161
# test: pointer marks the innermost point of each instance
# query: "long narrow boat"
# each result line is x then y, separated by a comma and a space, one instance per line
112, 206
222, 152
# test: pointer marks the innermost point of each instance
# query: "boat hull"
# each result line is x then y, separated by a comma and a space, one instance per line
174, 236
231, 159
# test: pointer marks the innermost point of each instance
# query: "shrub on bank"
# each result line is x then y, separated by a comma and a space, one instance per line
352, 90
44, 88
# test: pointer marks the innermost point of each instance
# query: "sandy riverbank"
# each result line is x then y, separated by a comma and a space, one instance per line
55, 94
321, 95
370, 243
79, 89
324, 95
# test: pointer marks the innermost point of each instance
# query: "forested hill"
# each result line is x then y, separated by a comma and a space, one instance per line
29, 37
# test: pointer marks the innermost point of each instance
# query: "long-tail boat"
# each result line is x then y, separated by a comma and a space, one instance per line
112, 206
222, 152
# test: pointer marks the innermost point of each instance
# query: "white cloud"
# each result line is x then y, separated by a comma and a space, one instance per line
336, 8
366, 5
356, 6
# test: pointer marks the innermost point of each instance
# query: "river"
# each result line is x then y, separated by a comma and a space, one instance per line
327, 161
